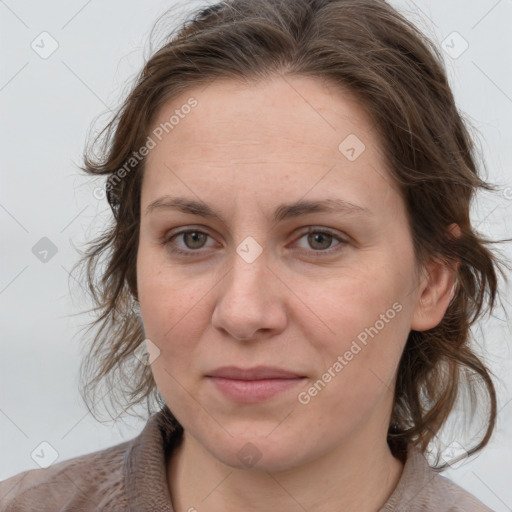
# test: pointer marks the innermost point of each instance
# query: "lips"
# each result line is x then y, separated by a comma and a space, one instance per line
251, 385
255, 373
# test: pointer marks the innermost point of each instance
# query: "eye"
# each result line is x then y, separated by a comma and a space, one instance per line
192, 238
320, 240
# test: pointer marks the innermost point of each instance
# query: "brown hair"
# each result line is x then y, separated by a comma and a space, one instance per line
399, 76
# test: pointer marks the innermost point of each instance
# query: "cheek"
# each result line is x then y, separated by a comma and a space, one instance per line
354, 300
169, 305
357, 370
173, 318
365, 323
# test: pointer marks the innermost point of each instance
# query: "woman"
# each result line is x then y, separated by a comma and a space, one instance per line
291, 242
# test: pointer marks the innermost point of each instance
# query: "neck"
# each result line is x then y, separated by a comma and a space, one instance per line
361, 474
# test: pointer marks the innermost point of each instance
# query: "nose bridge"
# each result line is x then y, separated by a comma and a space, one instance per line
248, 302
248, 272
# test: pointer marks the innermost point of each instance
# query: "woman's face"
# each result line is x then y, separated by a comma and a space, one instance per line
263, 164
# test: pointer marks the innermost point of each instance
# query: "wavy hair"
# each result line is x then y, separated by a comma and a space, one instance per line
399, 76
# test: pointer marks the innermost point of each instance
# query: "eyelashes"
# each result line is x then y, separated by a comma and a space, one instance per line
313, 235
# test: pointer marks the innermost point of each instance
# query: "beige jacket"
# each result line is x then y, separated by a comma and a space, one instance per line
131, 476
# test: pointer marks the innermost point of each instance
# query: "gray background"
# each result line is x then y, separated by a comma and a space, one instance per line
47, 107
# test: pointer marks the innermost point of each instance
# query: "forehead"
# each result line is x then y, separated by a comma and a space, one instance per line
300, 110
295, 132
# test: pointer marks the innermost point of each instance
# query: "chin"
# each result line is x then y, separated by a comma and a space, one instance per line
257, 452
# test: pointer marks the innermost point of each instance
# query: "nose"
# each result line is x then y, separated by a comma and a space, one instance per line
251, 301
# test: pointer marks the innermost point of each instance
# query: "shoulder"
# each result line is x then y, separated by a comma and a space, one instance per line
446, 493
88, 482
127, 476
423, 489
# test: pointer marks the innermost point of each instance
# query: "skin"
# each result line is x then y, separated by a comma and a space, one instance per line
244, 150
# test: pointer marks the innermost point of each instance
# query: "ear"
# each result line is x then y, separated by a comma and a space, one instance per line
436, 290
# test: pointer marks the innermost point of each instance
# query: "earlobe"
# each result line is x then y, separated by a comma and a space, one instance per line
437, 289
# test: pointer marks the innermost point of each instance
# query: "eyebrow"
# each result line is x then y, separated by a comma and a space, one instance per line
282, 212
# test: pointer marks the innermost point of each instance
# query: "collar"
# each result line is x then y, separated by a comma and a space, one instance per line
145, 474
